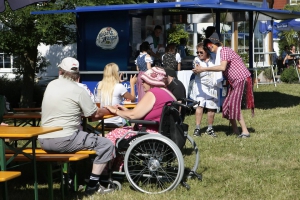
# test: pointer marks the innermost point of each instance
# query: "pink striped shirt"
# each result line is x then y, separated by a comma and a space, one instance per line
235, 71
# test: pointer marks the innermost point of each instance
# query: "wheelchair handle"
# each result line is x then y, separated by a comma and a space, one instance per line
189, 106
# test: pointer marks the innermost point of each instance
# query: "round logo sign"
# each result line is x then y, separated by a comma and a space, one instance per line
107, 38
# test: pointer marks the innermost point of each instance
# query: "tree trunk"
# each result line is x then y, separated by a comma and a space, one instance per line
28, 78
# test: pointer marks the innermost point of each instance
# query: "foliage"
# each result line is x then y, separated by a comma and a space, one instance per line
23, 32
12, 90
289, 37
245, 58
175, 33
289, 75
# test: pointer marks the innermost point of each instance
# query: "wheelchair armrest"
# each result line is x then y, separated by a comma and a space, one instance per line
143, 122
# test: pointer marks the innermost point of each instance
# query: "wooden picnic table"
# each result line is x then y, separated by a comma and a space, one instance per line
25, 118
25, 133
27, 109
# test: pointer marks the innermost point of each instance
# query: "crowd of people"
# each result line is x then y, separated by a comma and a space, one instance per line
66, 100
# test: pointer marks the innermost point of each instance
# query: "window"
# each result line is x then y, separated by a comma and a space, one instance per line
5, 61
294, 1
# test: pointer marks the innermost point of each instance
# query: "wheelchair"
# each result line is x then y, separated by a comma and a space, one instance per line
154, 163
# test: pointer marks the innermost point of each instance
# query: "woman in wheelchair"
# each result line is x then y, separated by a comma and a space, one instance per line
149, 108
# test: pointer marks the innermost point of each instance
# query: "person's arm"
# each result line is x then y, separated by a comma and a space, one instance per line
131, 96
149, 61
142, 108
217, 68
286, 57
178, 59
100, 113
179, 67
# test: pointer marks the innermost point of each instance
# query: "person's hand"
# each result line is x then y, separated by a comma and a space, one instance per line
112, 109
198, 69
120, 107
133, 79
120, 78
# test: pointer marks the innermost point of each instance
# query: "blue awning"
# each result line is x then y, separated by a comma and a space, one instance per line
193, 7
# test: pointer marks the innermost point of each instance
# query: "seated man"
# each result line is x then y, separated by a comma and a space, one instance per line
176, 87
63, 104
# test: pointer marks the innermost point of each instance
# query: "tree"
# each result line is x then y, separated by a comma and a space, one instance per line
290, 37
175, 33
23, 32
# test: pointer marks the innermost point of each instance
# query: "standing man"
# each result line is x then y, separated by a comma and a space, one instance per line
63, 104
240, 92
154, 42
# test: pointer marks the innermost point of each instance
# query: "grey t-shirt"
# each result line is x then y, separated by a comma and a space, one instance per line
63, 104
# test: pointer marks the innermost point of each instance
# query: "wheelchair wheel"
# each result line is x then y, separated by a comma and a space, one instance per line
116, 185
154, 164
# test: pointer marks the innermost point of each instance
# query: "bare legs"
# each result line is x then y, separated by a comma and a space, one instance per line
242, 124
98, 168
210, 116
199, 114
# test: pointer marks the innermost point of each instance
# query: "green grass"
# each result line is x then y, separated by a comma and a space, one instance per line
264, 166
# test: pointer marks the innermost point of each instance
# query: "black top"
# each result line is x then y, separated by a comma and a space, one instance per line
178, 90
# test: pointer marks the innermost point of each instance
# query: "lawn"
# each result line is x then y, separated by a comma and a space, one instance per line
264, 166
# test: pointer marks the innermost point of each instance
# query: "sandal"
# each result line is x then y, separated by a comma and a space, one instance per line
244, 135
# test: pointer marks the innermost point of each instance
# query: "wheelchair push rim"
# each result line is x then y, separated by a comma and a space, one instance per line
154, 164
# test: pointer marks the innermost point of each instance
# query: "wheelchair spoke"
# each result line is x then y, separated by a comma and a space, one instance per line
152, 166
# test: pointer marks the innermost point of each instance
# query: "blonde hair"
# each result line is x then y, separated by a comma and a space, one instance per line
106, 87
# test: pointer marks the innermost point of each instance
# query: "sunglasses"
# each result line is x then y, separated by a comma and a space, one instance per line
199, 52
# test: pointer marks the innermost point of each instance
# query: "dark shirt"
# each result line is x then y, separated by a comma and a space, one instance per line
178, 90
290, 62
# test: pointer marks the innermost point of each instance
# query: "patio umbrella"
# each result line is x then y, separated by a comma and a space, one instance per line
287, 25
265, 27
17, 4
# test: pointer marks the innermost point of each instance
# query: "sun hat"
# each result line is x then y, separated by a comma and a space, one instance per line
214, 38
69, 64
155, 76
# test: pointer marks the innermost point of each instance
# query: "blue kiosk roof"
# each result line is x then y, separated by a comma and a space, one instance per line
193, 7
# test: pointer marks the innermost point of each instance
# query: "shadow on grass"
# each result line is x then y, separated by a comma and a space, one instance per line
270, 100
227, 129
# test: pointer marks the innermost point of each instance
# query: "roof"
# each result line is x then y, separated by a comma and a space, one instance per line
190, 7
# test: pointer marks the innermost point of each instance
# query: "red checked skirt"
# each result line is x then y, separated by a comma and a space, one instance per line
239, 96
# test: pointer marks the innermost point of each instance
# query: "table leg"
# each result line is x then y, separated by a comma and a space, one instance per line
102, 124
34, 168
3, 167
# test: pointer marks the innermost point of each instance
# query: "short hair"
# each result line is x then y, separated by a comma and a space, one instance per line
145, 46
158, 27
209, 31
182, 41
69, 75
201, 45
170, 47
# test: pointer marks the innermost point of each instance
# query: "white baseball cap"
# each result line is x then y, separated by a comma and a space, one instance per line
69, 64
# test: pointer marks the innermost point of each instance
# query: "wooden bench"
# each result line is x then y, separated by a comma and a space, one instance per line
49, 158
8, 175
4, 177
